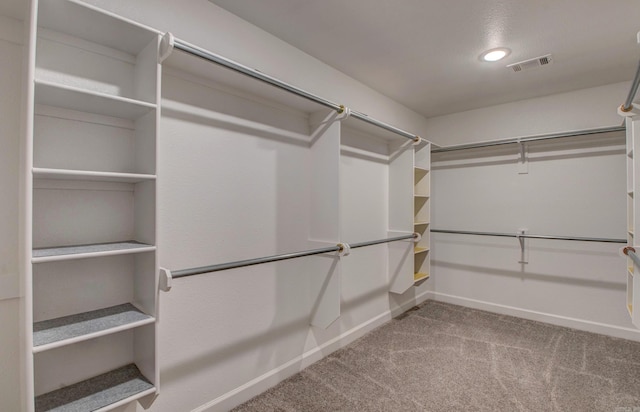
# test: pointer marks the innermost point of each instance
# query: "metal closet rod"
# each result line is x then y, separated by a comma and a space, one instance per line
628, 104
532, 138
247, 71
526, 236
250, 262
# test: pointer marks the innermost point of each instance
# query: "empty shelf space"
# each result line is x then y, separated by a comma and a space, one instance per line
111, 388
630, 308
67, 174
420, 171
417, 250
74, 98
417, 277
86, 251
52, 333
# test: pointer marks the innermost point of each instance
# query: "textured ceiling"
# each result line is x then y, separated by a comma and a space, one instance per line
424, 53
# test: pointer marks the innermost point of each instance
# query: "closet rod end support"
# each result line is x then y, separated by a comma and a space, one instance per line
344, 250
166, 280
167, 44
628, 249
633, 110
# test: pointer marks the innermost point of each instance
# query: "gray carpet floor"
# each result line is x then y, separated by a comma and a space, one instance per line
442, 357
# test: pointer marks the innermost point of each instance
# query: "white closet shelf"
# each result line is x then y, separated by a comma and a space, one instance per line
67, 174
417, 250
54, 333
420, 223
83, 100
420, 196
100, 393
91, 24
86, 251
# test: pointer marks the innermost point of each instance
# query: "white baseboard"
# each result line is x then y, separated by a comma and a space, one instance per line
260, 384
580, 324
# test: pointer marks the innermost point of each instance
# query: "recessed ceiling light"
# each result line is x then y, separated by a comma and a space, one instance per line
494, 55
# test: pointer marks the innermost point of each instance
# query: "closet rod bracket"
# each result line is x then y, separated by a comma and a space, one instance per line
166, 280
344, 250
523, 250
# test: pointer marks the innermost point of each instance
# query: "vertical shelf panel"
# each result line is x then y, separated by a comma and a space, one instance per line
401, 192
422, 212
633, 205
324, 228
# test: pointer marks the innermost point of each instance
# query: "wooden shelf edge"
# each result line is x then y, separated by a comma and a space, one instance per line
417, 277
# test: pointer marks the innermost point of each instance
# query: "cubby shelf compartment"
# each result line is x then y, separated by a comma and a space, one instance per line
74, 98
418, 250
67, 174
86, 251
417, 277
100, 393
53, 333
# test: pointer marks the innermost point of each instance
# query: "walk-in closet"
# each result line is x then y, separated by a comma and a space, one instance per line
319, 206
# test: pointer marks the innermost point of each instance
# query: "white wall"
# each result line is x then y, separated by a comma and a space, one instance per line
578, 110
10, 82
574, 187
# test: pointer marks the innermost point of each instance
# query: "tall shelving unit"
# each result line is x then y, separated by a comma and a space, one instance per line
422, 211
90, 222
409, 211
633, 180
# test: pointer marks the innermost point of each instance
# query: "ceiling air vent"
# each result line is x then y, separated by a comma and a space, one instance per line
531, 63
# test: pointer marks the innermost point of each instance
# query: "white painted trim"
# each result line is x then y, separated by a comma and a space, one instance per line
260, 384
579, 324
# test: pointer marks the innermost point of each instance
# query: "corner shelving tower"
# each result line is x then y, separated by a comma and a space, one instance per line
633, 179
90, 199
409, 212
421, 210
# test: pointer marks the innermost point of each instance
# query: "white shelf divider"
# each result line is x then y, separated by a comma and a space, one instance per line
54, 333
100, 393
67, 174
53, 254
75, 98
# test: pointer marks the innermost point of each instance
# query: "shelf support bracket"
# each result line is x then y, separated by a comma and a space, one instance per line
523, 161
166, 280
524, 258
